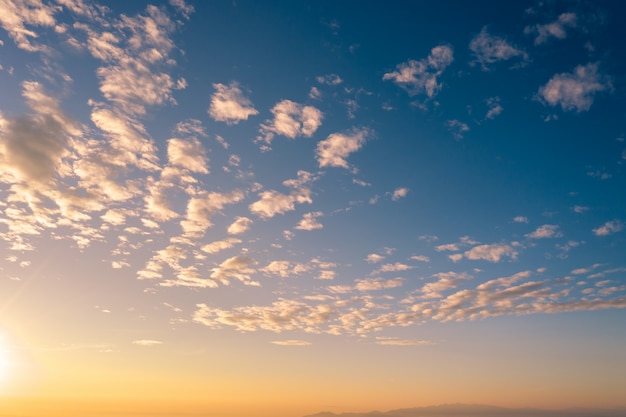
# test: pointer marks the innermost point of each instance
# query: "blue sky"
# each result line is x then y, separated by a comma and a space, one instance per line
297, 174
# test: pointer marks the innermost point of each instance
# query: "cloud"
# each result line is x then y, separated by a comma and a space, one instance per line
457, 128
395, 267
520, 219
291, 120
330, 79
575, 91
492, 253
147, 342
188, 154
388, 341
291, 342
285, 269
220, 245
272, 202
374, 258
544, 232
420, 77
236, 267
556, 29
375, 284
201, 208
495, 109
420, 258
445, 281
399, 193
17, 16
489, 49
239, 226
447, 246
610, 227
34, 145
309, 221
333, 151
229, 105
183, 8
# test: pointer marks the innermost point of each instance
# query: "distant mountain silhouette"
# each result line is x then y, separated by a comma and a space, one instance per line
470, 410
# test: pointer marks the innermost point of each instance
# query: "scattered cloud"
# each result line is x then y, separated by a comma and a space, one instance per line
392, 341
291, 342
147, 342
492, 253
544, 232
495, 109
291, 120
229, 105
421, 77
330, 79
520, 219
333, 151
457, 128
575, 91
488, 49
610, 227
272, 202
399, 193
556, 29
309, 221
239, 226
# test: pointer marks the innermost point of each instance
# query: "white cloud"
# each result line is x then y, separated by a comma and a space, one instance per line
187, 153
273, 202
556, 29
520, 219
330, 79
402, 342
420, 77
495, 109
228, 104
610, 227
457, 128
236, 267
239, 226
447, 246
398, 266
334, 150
309, 221
492, 253
488, 49
420, 258
375, 284
291, 342
286, 269
191, 127
544, 232
147, 342
445, 281
291, 120
399, 193
17, 16
201, 208
183, 8
220, 245
374, 258
575, 91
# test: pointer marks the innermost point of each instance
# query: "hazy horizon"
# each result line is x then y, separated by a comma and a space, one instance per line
242, 208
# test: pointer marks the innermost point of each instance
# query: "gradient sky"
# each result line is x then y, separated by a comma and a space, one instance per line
277, 208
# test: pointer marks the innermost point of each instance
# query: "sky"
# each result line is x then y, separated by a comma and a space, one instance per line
280, 208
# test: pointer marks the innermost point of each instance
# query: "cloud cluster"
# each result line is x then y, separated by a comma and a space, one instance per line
291, 120
575, 91
556, 29
421, 77
229, 105
488, 49
333, 151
